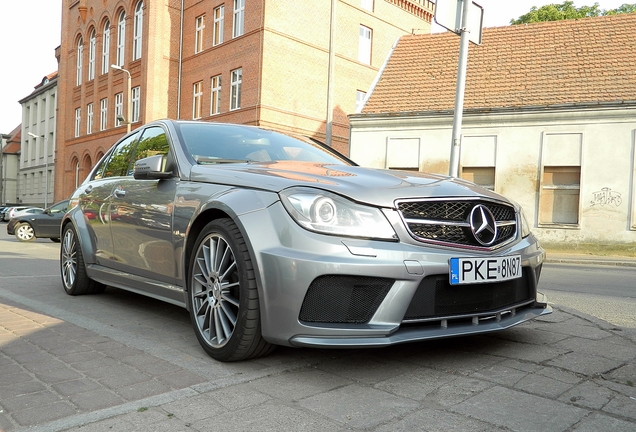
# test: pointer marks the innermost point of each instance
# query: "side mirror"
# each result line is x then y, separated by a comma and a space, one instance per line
151, 168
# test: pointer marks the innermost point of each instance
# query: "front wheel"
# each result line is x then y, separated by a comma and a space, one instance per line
24, 232
222, 297
72, 267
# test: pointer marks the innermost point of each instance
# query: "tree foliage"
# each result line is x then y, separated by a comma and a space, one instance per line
567, 10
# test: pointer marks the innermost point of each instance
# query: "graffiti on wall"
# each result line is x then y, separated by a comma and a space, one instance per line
606, 197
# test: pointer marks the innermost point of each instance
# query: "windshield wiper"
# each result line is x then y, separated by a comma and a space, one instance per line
208, 160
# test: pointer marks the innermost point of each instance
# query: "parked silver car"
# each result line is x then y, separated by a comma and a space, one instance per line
272, 240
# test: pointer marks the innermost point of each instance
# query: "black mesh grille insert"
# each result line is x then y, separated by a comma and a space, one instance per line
344, 299
436, 298
448, 221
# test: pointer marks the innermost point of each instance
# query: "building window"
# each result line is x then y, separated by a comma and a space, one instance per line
219, 16
106, 48
239, 18
560, 195
89, 118
138, 29
483, 176
136, 100
197, 96
92, 45
78, 121
198, 35
121, 38
360, 95
235, 89
119, 108
364, 45
103, 114
80, 55
215, 102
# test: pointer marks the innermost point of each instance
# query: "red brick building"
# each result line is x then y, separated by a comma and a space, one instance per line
264, 63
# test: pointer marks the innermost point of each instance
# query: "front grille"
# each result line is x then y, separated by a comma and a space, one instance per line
447, 221
344, 299
437, 298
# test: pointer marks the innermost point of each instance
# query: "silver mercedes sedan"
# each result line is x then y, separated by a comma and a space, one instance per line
268, 239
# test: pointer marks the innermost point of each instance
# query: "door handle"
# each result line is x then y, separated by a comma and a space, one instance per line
89, 189
119, 193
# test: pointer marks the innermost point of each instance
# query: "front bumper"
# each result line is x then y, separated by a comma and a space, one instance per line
289, 259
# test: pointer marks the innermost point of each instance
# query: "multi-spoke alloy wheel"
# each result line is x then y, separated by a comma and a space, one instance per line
24, 232
72, 266
223, 298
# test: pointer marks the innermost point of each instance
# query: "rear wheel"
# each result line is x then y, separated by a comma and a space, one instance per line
73, 269
222, 297
24, 232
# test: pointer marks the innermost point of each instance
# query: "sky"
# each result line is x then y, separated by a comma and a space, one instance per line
30, 32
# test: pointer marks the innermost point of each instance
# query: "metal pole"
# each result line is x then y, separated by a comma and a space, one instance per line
129, 111
332, 59
46, 171
459, 93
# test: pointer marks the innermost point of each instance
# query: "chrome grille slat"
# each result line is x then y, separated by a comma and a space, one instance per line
446, 221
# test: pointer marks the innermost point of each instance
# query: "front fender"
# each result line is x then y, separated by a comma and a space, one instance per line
85, 235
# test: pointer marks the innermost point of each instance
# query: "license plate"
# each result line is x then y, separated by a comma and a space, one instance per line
482, 270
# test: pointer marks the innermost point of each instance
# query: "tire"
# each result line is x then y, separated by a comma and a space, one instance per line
72, 267
222, 295
24, 232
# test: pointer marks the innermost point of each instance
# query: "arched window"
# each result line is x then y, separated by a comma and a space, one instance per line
92, 46
138, 30
121, 38
106, 47
80, 57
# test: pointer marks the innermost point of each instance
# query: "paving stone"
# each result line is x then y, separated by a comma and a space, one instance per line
586, 364
22, 402
268, 418
416, 384
625, 374
624, 406
363, 368
19, 389
458, 390
599, 422
45, 413
13, 374
588, 394
358, 406
73, 387
542, 386
49, 364
435, 420
578, 327
96, 399
58, 375
142, 389
180, 379
612, 347
298, 384
202, 407
119, 377
520, 411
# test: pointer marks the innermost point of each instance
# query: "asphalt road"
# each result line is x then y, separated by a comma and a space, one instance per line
606, 292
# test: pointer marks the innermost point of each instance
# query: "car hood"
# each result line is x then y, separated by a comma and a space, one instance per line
365, 185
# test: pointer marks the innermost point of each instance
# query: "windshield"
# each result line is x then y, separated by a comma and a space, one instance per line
213, 143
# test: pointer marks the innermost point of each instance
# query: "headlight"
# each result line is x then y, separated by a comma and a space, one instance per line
328, 213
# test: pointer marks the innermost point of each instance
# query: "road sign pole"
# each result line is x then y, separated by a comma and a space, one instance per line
459, 94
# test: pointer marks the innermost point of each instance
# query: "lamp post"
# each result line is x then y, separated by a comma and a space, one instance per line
128, 95
46, 167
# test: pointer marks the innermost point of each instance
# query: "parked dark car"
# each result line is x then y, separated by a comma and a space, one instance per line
43, 225
272, 240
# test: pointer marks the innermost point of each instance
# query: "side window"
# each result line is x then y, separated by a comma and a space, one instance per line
153, 142
117, 164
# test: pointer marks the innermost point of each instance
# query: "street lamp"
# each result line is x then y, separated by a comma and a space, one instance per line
129, 107
46, 166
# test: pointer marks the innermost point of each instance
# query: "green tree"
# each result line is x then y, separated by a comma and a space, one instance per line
567, 10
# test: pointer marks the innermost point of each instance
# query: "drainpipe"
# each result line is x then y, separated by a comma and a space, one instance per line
332, 59
180, 62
